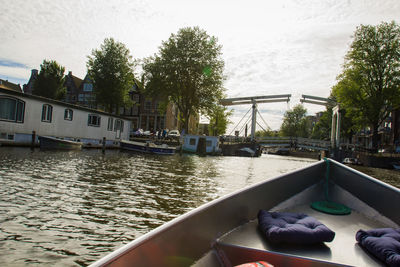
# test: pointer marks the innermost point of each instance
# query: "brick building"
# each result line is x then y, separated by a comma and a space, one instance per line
145, 113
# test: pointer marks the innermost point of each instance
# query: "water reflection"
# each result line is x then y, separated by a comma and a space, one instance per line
71, 208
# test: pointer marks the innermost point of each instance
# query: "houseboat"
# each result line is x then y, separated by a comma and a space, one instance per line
201, 144
24, 117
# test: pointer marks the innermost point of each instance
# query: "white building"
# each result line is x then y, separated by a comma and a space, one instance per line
21, 114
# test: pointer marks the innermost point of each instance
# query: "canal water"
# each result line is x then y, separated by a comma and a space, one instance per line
71, 208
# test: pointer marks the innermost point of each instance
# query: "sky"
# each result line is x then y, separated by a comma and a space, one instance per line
269, 47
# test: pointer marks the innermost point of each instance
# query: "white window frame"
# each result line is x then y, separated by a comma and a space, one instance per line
47, 113
119, 125
94, 120
68, 114
110, 124
19, 112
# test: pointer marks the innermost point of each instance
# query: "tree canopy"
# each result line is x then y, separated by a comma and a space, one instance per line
219, 120
322, 129
369, 86
111, 71
295, 122
187, 71
50, 81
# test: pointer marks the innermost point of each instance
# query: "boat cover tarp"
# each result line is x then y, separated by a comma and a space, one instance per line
384, 243
295, 228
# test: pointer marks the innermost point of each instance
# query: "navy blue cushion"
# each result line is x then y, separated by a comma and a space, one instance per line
384, 243
296, 228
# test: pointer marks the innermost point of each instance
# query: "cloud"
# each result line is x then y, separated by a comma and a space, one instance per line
15, 74
12, 64
269, 47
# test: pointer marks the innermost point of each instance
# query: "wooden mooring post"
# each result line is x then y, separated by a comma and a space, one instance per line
33, 140
103, 148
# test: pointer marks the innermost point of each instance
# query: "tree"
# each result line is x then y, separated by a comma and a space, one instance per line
295, 122
219, 120
187, 71
111, 71
50, 81
267, 133
322, 129
369, 86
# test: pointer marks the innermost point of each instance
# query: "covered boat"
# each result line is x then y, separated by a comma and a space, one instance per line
201, 144
48, 142
148, 147
228, 231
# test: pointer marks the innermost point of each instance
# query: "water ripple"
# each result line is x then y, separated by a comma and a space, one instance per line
71, 208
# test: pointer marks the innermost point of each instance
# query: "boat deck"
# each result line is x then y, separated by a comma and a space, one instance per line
246, 243
342, 250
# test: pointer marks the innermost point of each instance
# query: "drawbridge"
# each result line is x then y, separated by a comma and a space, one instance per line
288, 142
254, 101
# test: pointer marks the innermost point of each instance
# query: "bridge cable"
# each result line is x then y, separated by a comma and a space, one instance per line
240, 121
269, 128
261, 127
244, 125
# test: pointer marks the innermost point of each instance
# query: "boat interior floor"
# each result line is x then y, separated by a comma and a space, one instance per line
343, 250
246, 243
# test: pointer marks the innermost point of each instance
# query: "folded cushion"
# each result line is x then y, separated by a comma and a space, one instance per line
296, 228
384, 243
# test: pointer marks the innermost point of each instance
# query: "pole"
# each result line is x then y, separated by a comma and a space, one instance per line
103, 148
33, 140
253, 121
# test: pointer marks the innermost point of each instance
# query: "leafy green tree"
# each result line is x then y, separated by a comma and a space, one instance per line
50, 81
295, 122
187, 71
369, 86
219, 120
322, 129
267, 133
111, 71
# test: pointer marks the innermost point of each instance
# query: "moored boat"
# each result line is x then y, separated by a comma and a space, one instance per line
201, 144
148, 147
48, 142
396, 165
225, 232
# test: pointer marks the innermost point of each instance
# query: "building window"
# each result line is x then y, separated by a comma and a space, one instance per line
119, 125
81, 98
136, 98
68, 114
87, 87
47, 113
94, 120
135, 110
110, 124
147, 105
12, 109
192, 141
208, 143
